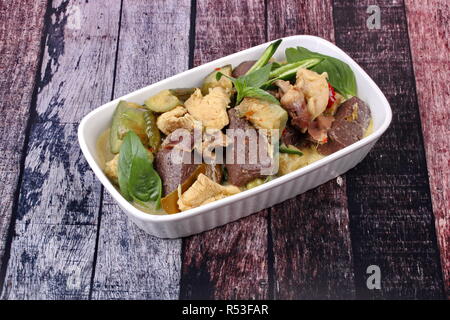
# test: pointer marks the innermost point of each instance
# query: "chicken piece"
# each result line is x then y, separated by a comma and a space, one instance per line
263, 114
316, 90
213, 140
112, 169
204, 191
293, 101
177, 118
211, 109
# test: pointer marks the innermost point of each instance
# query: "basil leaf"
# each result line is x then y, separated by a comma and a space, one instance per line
248, 85
240, 88
275, 65
138, 180
294, 55
131, 146
260, 94
340, 75
144, 183
257, 78
284, 149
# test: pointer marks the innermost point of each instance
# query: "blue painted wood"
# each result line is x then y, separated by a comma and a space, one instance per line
153, 45
20, 51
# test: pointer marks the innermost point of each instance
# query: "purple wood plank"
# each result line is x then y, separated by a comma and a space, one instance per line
52, 251
391, 218
19, 50
311, 240
428, 31
229, 262
154, 44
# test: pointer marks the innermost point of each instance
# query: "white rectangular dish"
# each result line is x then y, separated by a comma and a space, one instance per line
245, 203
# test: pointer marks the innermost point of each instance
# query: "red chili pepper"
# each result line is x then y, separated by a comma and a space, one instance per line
217, 69
332, 96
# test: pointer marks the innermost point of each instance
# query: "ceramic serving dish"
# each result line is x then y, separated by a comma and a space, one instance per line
245, 203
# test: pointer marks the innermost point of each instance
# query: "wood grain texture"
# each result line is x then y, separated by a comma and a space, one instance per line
311, 240
391, 218
229, 262
52, 251
429, 33
131, 264
19, 49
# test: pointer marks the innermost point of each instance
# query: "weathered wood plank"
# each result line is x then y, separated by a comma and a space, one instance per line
154, 44
391, 218
19, 50
52, 251
428, 31
230, 262
311, 240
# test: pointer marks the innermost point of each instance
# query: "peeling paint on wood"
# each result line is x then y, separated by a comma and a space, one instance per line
131, 264
19, 51
52, 252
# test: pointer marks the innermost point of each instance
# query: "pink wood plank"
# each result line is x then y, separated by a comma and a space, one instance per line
429, 31
311, 238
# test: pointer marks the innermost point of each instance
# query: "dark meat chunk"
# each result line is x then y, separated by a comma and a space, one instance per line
174, 173
352, 119
237, 122
242, 68
354, 109
241, 174
292, 136
293, 101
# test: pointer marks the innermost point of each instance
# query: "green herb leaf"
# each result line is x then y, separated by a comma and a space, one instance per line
248, 85
284, 149
129, 149
340, 75
144, 183
260, 94
138, 180
257, 78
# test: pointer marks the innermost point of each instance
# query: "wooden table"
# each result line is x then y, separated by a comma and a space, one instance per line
63, 237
